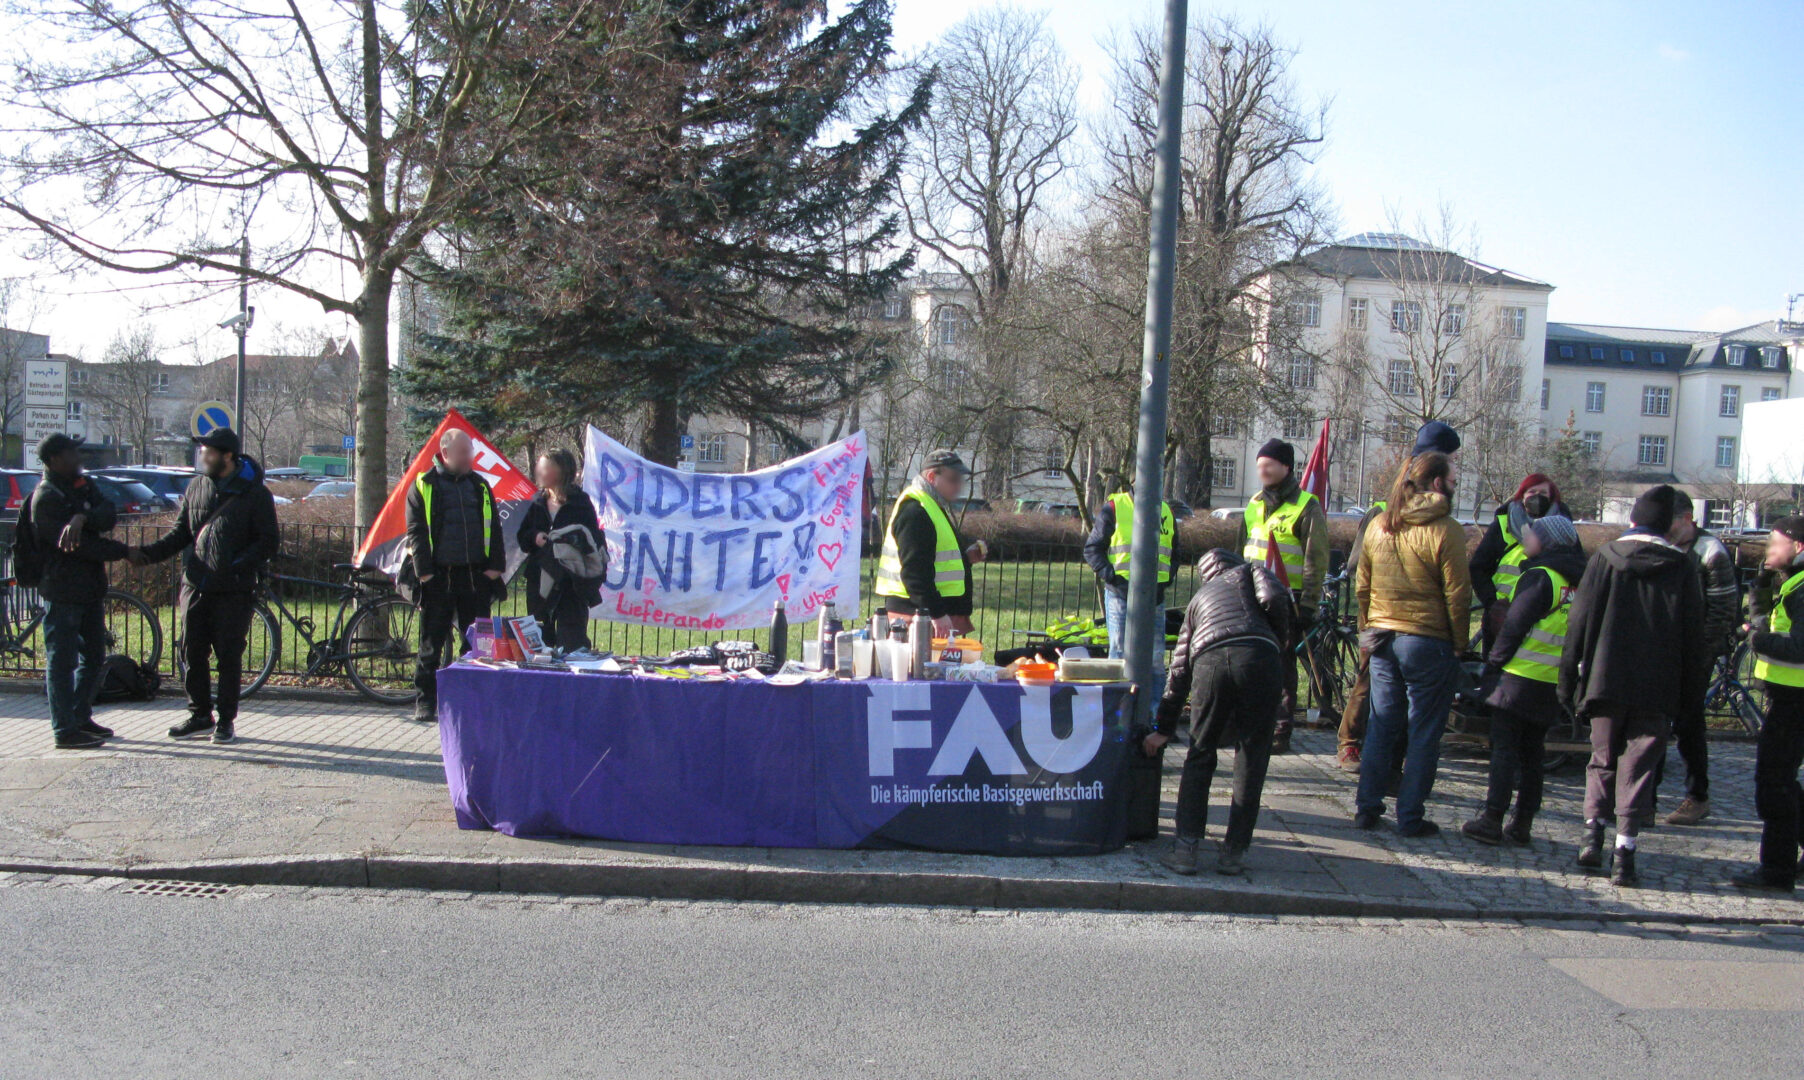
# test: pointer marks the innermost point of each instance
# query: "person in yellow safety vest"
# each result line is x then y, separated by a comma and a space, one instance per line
1435, 437
1284, 517
456, 558
1777, 640
1498, 559
925, 566
1521, 671
1109, 551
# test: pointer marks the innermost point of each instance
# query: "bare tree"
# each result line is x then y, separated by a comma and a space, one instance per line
996, 141
352, 121
19, 308
126, 385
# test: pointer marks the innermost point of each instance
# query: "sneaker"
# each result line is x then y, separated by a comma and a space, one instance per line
1423, 830
1348, 760
1758, 878
1591, 852
1181, 858
1485, 829
1518, 832
1690, 812
197, 727
1228, 862
91, 728
1367, 819
1625, 875
81, 740
223, 733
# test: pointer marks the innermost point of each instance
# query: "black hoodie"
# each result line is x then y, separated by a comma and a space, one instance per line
1535, 597
228, 529
1635, 634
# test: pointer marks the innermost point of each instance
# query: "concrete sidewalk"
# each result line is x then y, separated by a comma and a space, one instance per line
328, 791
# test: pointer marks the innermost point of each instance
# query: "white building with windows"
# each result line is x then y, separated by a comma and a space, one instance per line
1665, 406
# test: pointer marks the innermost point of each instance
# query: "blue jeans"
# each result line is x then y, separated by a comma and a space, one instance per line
1114, 619
75, 644
1413, 678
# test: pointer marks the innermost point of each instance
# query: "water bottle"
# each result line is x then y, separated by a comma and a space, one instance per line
880, 626
829, 634
920, 645
779, 633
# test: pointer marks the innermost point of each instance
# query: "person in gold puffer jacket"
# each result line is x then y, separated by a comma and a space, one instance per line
1415, 598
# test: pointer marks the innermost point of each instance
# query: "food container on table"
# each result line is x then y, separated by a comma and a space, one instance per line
1037, 674
963, 650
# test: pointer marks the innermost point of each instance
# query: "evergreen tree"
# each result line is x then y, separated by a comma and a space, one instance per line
703, 214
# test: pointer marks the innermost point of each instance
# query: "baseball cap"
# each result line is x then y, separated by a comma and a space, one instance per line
945, 459
57, 443
221, 439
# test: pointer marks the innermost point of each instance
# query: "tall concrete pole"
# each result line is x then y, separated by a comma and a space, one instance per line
1145, 627
244, 327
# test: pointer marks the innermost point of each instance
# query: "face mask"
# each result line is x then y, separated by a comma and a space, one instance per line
1537, 505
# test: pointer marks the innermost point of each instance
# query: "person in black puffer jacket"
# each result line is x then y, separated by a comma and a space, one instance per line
226, 527
1227, 665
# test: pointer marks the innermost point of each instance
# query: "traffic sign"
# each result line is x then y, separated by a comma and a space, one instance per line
350, 442
688, 442
685, 466
210, 416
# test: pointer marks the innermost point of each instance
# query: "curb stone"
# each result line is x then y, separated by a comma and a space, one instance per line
763, 884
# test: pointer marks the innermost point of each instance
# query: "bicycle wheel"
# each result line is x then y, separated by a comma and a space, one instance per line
380, 650
1747, 710
262, 648
1568, 731
133, 628
1324, 663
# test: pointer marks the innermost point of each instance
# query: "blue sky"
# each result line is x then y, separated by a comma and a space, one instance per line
1646, 159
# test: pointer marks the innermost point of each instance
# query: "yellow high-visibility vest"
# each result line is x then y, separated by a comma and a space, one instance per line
948, 562
1779, 672
488, 509
1121, 545
1279, 528
1509, 568
1538, 657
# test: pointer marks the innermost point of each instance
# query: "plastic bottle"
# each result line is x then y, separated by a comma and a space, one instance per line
779, 633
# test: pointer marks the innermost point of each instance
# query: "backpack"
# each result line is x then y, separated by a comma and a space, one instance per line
124, 679
28, 561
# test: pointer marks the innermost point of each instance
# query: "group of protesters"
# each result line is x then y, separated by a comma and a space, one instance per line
1623, 638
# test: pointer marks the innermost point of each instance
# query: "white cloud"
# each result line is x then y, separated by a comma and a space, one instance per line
1674, 53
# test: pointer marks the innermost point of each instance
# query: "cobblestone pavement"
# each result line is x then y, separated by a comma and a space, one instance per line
319, 777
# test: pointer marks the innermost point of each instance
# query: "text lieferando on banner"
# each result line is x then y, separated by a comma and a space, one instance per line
717, 551
385, 546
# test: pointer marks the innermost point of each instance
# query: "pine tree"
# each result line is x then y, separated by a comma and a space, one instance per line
705, 212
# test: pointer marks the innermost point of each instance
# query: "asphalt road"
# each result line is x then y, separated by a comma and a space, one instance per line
276, 983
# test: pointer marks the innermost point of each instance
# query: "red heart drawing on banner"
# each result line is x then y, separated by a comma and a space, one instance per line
783, 584
830, 554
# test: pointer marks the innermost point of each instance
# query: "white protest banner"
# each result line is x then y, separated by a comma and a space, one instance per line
716, 551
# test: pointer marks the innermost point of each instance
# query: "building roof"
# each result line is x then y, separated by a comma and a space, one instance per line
1619, 348
1389, 256
1588, 332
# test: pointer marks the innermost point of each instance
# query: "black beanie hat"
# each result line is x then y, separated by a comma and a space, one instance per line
1436, 436
1281, 452
1792, 527
1654, 509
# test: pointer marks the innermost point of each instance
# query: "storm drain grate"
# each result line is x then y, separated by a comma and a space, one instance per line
180, 888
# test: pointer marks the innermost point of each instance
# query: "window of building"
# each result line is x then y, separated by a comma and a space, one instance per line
1515, 322
1567, 352
1509, 382
1729, 404
1453, 320
1449, 381
77, 378
1597, 352
1725, 451
1769, 357
1296, 425
950, 322
1592, 442
1401, 377
1721, 516
1627, 356
1656, 401
1652, 450
1406, 316
892, 307
1053, 467
1769, 393
1545, 388
75, 411
1357, 313
1656, 356
1737, 355
1594, 397
1399, 430
1221, 471
1302, 371
773, 449
1226, 427
1306, 309
711, 449
159, 382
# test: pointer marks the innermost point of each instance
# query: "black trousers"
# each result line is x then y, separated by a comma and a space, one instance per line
1518, 749
1777, 797
214, 628
455, 597
1234, 696
563, 620
1689, 732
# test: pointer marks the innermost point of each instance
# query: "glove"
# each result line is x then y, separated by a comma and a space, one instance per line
1487, 682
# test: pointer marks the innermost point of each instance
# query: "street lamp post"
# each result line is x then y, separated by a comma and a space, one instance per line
240, 323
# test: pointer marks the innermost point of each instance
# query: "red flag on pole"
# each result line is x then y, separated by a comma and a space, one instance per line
386, 545
1315, 472
1274, 561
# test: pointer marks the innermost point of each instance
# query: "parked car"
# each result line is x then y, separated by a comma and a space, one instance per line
333, 489
287, 472
168, 483
1228, 513
1064, 510
17, 489
128, 496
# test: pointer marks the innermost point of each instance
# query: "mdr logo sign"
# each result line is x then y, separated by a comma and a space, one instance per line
1007, 769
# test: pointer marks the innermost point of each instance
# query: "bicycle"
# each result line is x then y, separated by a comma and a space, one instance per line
1329, 650
132, 626
371, 637
1730, 693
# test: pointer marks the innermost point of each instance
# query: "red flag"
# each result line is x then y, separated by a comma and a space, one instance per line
1315, 472
386, 545
1274, 561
